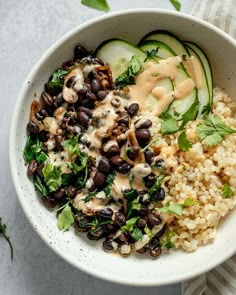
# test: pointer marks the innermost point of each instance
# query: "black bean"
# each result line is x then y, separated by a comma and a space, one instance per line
142, 250
159, 195
47, 99
133, 109
71, 109
58, 195
141, 223
124, 118
44, 135
41, 115
105, 213
95, 235
149, 156
79, 228
110, 227
99, 179
161, 232
32, 128
88, 103
149, 180
86, 111
145, 125
104, 165
116, 161
124, 168
154, 219
80, 52
143, 136
91, 96
133, 153
101, 94
49, 202
160, 165
95, 85
40, 169
83, 119
114, 150
123, 237
108, 245
143, 210
32, 167
58, 141
71, 191
120, 218
155, 252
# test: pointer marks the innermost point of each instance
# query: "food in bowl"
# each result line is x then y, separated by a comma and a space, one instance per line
132, 145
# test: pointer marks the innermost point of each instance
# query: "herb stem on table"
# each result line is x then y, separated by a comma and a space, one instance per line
3, 232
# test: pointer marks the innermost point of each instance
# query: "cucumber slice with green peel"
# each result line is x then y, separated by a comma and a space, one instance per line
118, 53
206, 64
171, 40
163, 51
204, 95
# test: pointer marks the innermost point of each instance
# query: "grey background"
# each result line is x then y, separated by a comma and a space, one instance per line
27, 29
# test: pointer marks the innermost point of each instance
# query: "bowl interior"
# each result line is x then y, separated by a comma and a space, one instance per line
88, 256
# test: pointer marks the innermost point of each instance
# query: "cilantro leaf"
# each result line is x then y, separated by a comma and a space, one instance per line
137, 234
227, 191
65, 218
166, 243
169, 126
183, 142
129, 225
150, 54
176, 4
134, 205
177, 209
56, 80
3, 231
190, 114
213, 130
127, 77
40, 186
52, 176
96, 4
33, 150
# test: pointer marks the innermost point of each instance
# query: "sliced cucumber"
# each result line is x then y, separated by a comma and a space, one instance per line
206, 65
203, 92
171, 40
163, 51
118, 54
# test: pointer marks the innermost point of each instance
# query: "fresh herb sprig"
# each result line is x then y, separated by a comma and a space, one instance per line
3, 232
227, 191
177, 209
212, 130
183, 142
103, 5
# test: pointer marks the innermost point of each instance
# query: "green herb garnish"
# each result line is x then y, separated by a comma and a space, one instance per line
150, 143
166, 243
127, 77
129, 226
65, 218
40, 185
176, 4
177, 209
213, 130
33, 150
169, 126
137, 234
52, 176
96, 4
3, 232
156, 186
183, 142
150, 54
227, 191
190, 114
56, 80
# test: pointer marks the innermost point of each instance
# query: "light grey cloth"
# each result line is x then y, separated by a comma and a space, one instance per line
221, 280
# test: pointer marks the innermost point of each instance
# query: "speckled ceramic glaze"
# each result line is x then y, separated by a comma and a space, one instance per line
77, 250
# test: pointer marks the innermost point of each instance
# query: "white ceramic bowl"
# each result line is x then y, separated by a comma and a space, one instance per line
86, 255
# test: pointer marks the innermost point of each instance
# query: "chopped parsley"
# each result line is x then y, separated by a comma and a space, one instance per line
227, 191
177, 209
65, 218
52, 176
128, 77
56, 80
213, 130
166, 243
169, 126
33, 150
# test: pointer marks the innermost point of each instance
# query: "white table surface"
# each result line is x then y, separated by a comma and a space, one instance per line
27, 29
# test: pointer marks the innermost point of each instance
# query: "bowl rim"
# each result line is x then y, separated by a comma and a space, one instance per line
12, 139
